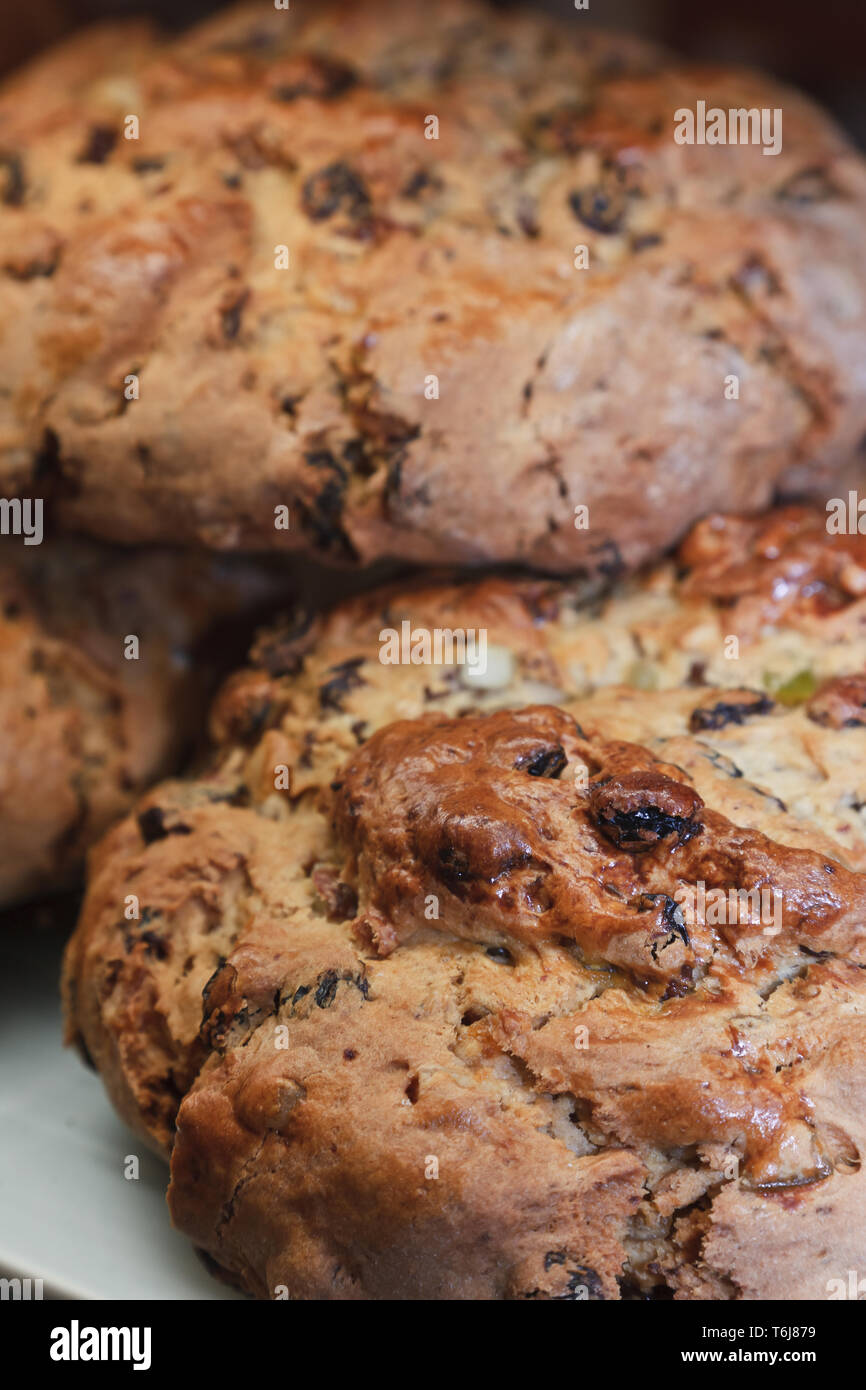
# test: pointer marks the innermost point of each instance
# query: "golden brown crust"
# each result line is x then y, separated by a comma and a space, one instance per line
779, 567
413, 258
442, 989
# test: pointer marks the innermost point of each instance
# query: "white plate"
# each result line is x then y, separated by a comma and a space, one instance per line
67, 1214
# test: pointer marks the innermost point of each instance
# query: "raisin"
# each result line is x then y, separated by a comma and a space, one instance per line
673, 923
278, 650
326, 991
768, 796
354, 454
601, 207
723, 764
557, 131
680, 985
610, 564
812, 185
454, 863
48, 469
322, 516
155, 945
548, 762
646, 241
527, 218
208, 989
323, 458
645, 826
14, 184
726, 712
345, 677
640, 810
152, 825
35, 268
100, 142
231, 316
334, 189
672, 914
816, 955
422, 181
579, 1279
317, 76
239, 797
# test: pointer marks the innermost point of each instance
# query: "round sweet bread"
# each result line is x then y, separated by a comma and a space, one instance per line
102, 675
384, 280
459, 981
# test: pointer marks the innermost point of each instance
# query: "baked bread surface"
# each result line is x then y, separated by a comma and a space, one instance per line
420, 998
430, 377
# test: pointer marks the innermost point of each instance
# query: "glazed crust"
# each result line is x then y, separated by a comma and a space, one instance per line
412, 258
415, 999
83, 729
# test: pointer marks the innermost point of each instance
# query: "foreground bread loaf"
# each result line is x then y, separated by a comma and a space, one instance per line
103, 669
282, 295
447, 983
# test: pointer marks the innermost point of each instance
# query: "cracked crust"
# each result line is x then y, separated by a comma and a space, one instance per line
410, 258
436, 1017
84, 730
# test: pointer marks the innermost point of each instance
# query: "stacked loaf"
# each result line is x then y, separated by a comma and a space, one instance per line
503, 934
